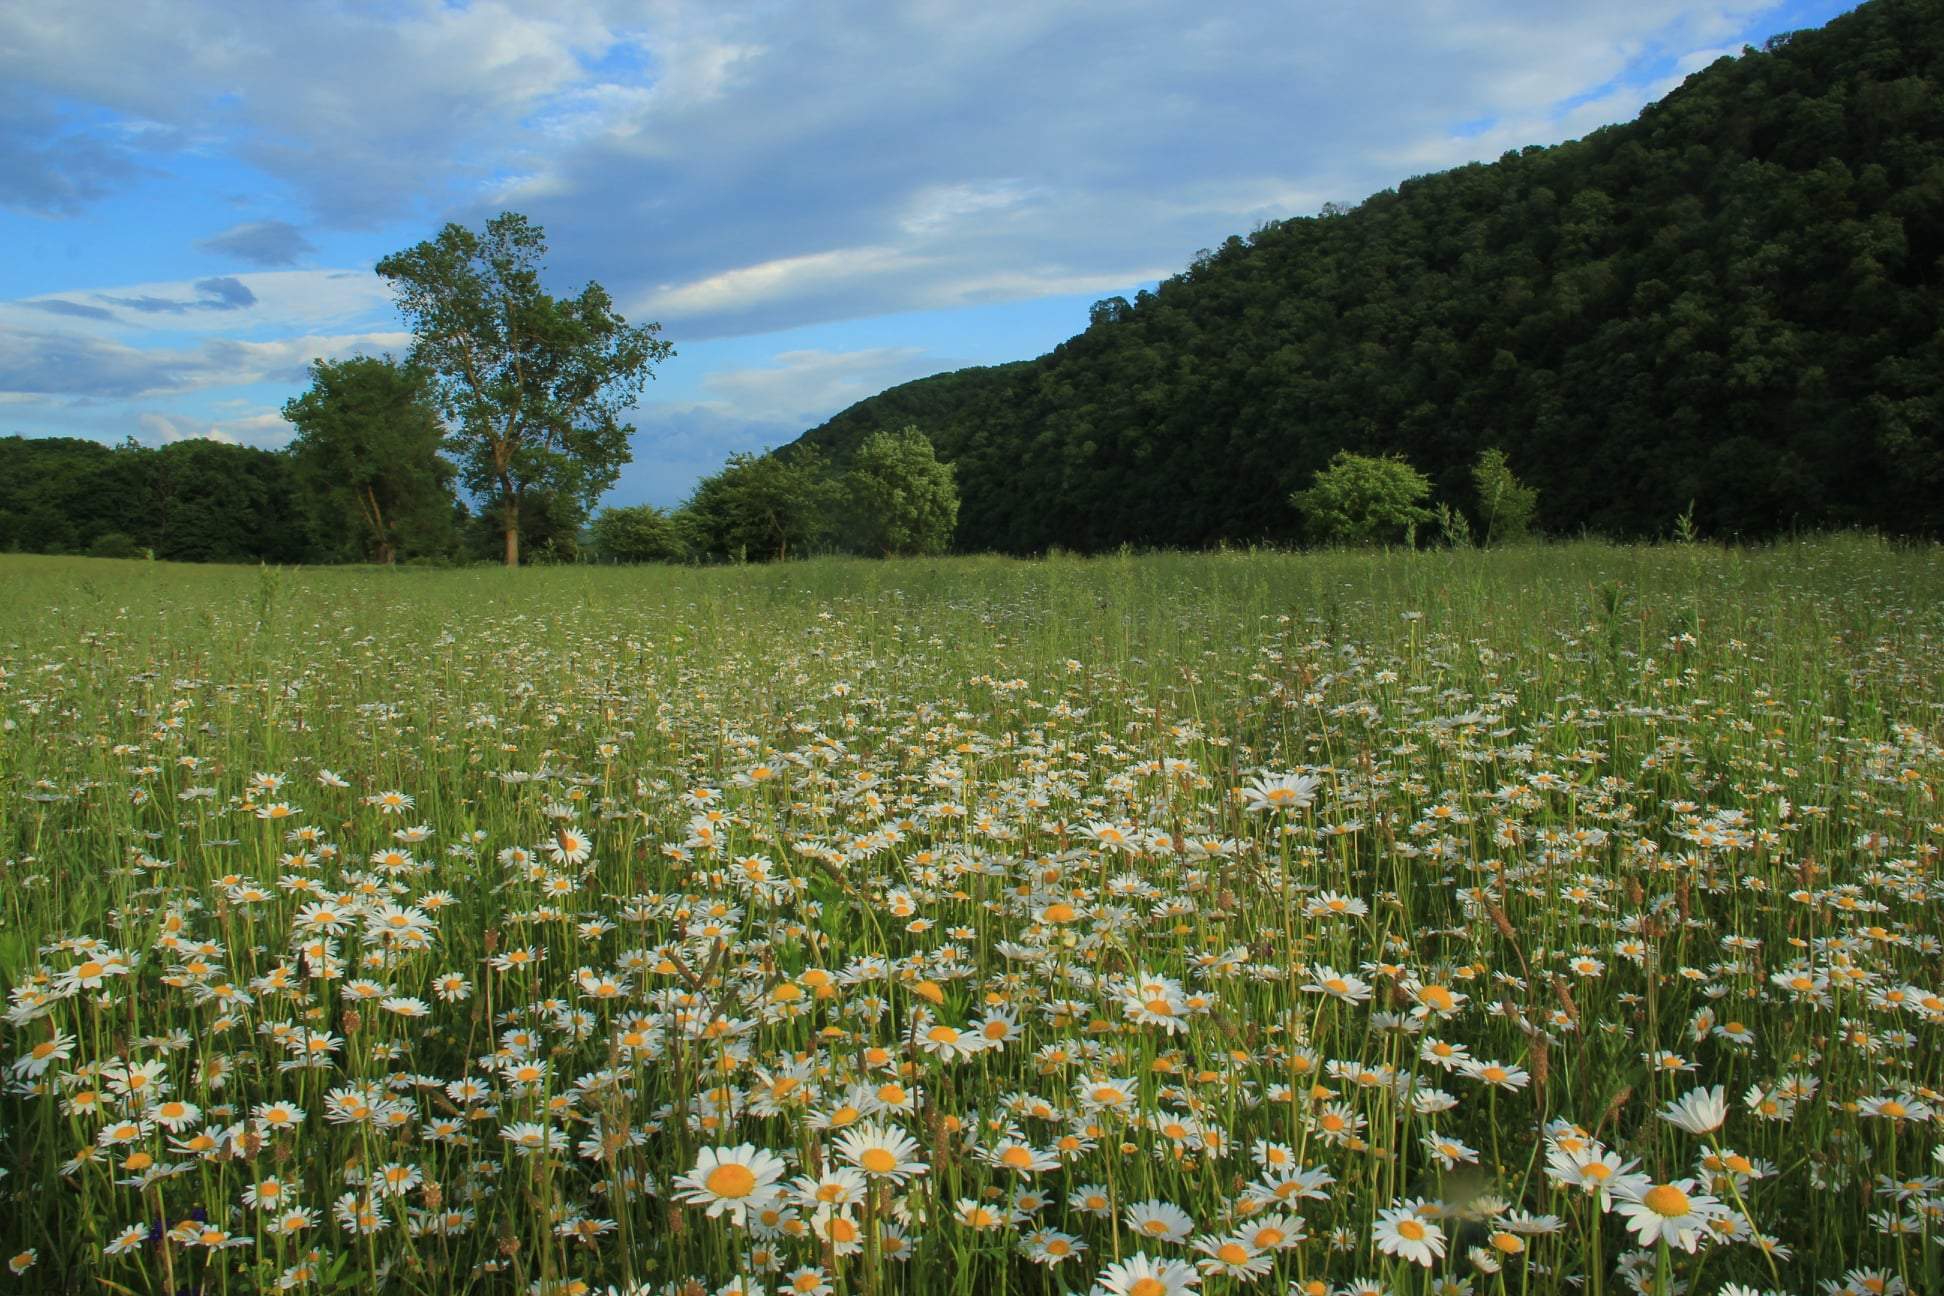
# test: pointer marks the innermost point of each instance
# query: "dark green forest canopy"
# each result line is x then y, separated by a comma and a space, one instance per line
1736, 300
191, 501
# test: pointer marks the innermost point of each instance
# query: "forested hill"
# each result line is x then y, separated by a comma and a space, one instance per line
1736, 300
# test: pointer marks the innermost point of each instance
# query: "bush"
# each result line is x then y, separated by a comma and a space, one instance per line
1362, 499
639, 533
1505, 504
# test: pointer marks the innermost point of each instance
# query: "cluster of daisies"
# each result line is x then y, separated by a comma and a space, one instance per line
1332, 969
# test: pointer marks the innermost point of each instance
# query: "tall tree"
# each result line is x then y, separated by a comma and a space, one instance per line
904, 501
535, 385
367, 457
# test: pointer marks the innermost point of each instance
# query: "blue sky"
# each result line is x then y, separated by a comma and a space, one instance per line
815, 201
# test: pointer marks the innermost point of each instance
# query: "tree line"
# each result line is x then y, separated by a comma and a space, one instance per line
1730, 309
493, 438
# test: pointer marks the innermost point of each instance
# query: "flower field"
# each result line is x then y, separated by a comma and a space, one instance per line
1550, 920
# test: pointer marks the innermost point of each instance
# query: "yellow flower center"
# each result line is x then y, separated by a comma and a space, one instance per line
731, 1180
1667, 1200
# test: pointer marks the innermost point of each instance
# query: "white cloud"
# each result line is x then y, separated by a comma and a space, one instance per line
740, 168
62, 363
813, 384
275, 299
266, 431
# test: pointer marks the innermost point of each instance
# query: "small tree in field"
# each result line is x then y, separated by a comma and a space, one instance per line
1364, 499
638, 533
905, 500
1505, 504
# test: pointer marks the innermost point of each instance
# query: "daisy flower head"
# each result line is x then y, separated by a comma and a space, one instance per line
1673, 1212
1159, 1221
1143, 1275
1698, 1111
1271, 792
881, 1151
1401, 1232
729, 1181
1233, 1257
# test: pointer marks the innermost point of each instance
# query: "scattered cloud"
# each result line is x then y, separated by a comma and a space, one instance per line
220, 294
59, 363
266, 431
813, 384
49, 166
263, 243
75, 310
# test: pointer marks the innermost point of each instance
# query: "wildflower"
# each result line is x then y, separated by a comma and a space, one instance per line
881, 1151
36, 1060
1698, 1111
126, 1240
1672, 1212
1401, 1232
731, 1180
1270, 792
1233, 1257
1159, 1220
1051, 1247
1142, 1275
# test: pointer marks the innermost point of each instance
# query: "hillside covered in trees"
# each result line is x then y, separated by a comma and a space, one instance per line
1736, 300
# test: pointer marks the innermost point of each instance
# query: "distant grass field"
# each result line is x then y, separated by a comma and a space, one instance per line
1562, 919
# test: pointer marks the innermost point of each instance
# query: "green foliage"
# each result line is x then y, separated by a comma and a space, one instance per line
903, 500
534, 385
1362, 499
191, 501
1454, 527
115, 544
761, 507
1505, 505
639, 533
1733, 299
366, 458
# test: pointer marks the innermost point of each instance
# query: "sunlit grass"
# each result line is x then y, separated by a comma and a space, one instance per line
1249, 922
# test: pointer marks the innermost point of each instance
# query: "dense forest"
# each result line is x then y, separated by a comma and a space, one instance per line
208, 501
1734, 301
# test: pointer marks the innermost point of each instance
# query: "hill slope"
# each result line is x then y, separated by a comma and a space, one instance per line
1736, 299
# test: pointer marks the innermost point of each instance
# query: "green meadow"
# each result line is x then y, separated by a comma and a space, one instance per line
1550, 919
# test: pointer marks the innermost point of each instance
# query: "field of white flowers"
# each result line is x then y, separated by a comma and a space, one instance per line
1563, 920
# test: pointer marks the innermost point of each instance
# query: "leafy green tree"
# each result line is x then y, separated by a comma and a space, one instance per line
366, 458
1365, 499
761, 506
903, 500
534, 385
637, 533
1505, 504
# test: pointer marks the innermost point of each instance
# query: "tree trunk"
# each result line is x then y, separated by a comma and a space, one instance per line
510, 518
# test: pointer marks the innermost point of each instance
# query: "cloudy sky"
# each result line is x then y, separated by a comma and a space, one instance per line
815, 200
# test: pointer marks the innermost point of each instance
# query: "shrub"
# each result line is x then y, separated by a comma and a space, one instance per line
1363, 499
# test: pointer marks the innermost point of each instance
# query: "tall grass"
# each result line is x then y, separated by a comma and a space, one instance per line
527, 889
